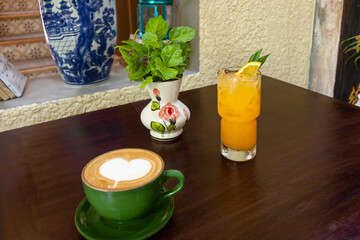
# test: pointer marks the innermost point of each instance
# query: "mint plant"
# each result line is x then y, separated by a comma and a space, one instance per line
157, 60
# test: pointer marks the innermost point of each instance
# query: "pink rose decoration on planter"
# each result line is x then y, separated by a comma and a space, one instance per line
169, 112
157, 94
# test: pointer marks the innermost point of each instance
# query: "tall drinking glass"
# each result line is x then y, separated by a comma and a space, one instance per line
239, 106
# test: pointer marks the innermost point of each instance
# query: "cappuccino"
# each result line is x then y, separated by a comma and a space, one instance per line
122, 169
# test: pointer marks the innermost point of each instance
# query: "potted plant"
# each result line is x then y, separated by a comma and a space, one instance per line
160, 65
353, 47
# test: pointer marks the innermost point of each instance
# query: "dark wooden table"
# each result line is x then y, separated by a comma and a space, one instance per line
303, 184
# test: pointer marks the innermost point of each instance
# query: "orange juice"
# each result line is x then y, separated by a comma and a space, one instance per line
238, 106
238, 135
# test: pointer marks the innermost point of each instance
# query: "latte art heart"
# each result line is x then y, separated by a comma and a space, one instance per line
122, 169
119, 169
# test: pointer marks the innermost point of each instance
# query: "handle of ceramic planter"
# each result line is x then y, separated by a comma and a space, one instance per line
173, 174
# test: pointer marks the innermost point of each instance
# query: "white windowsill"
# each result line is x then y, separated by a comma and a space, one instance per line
53, 88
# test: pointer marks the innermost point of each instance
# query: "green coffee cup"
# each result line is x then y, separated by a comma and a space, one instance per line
125, 200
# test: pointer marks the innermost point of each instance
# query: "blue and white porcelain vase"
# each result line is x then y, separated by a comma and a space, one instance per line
82, 38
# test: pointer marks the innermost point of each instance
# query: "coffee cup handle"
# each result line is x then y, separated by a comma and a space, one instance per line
173, 174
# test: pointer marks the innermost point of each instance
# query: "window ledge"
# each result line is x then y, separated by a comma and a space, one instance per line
53, 88
47, 99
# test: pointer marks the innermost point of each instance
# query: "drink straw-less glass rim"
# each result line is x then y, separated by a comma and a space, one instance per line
239, 106
234, 70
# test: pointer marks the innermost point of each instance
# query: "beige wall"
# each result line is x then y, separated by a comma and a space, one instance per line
230, 31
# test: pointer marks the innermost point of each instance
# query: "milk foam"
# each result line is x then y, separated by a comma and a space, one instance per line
118, 169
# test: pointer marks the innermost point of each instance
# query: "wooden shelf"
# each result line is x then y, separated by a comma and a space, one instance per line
22, 38
29, 14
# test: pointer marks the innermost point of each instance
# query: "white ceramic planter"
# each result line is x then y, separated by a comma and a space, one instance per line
165, 116
358, 102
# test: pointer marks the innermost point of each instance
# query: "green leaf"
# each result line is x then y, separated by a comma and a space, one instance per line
152, 67
170, 73
350, 57
350, 49
162, 44
124, 47
157, 26
181, 70
255, 56
133, 65
145, 82
137, 30
167, 73
140, 49
127, 56
155, 53
148, 69
155, 106
263, 59
355, 61
150, 39
172, 55
160, 66
157, 127
127, 68
252, 58
186, 49
171, 127
137, 72
348, 39
182, 34
350, 45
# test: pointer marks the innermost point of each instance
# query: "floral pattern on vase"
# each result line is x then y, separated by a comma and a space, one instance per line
82, 38
165, 116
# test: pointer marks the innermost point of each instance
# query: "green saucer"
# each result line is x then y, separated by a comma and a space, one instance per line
92, 226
